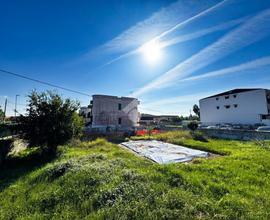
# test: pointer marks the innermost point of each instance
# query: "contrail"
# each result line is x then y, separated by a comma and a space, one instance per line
250, 32
203, 13
191, 99
184, 38
178, 99
179, 25
201, 33
255, 64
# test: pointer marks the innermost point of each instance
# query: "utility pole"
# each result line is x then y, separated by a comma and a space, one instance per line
5, 109
15, 111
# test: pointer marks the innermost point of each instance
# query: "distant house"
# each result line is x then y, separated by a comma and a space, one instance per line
238, 106
148, 119
113, 111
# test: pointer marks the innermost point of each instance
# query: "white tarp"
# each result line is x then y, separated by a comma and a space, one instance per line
164, 153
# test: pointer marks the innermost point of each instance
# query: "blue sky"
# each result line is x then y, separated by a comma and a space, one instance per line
102, 47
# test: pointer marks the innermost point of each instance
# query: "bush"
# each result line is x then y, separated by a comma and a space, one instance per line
193, 125
199, 136
7, 129
5, 146
50, 121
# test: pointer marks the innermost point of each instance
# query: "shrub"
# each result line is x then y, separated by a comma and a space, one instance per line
199, 136
50, 121
193, 125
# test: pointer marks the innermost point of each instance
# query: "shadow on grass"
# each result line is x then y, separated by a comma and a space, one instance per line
16, 167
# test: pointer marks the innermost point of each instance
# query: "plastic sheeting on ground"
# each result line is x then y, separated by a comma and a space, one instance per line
164, 153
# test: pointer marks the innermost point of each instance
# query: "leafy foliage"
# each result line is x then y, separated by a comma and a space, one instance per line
193, 125
50, 120
196, 110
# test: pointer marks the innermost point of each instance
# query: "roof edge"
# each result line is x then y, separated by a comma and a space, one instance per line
234, 91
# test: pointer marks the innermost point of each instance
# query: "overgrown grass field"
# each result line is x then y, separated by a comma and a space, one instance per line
100, 180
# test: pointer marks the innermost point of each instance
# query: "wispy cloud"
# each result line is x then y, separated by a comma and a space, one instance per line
203, 32
178, 99
190, 12
159, 24
184, 38
254, 64
250, 32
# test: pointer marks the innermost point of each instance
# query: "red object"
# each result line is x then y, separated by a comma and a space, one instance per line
141, 132
155, 131
145, 132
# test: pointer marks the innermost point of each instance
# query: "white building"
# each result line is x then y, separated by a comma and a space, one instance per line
114, 111
238, 106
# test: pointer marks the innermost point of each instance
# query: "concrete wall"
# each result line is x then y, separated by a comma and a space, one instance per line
105, 111
245, 108
236, 134
85, 112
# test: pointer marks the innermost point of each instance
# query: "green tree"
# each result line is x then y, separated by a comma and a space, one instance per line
50, 121
196, 110
193, 125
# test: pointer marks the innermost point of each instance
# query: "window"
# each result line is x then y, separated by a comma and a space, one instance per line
217, 107
227, 106
217, 98
119, 121
263, 117
227, 97
235, 105
119, 106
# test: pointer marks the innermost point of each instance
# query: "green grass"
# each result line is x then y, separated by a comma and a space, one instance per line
100, 180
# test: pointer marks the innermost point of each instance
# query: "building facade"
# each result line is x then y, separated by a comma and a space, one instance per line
114, 111
238, 106
86, 113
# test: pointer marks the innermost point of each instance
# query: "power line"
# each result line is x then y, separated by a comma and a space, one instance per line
43, 82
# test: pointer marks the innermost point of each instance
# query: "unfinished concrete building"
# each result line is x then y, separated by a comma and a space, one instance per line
114, 111
86, 113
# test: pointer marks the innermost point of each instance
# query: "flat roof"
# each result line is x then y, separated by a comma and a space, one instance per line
110, 96
234, 91
157, 116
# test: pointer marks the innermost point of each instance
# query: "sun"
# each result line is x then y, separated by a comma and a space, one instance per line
151, 51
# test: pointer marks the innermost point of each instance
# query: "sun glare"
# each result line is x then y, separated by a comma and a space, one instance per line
151, 51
